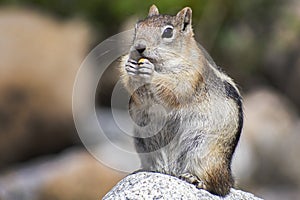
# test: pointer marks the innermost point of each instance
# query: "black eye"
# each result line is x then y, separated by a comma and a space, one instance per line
168, 32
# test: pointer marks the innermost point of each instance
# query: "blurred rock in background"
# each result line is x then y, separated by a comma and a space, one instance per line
267, 155
39, 60
74, 174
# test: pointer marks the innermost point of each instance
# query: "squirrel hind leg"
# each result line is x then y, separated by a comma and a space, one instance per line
216, 184
219, 182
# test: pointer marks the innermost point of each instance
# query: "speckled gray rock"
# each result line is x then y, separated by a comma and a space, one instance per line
146, 185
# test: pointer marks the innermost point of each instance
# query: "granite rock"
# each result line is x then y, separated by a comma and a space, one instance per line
149, 185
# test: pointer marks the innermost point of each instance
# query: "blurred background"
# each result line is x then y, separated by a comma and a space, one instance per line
42, 44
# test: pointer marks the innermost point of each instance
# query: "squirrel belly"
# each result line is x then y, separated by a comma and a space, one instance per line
188, 113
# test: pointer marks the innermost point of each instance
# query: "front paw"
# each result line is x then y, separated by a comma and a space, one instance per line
143, 69
146, 68
131, 66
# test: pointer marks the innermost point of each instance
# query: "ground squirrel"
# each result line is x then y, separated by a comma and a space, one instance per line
195, 134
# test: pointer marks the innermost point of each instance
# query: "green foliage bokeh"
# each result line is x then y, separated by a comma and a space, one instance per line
235, 32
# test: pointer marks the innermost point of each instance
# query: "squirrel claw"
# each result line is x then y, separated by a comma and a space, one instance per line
190, 178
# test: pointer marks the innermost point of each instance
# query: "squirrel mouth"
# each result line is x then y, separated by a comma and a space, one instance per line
152, 60
137, 57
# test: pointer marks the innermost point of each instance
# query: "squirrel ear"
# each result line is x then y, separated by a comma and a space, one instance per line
185, 17
153, 11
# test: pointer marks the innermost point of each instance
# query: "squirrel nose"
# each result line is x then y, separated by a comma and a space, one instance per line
140, 47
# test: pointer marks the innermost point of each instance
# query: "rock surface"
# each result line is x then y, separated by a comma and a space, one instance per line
148, 185
71, 175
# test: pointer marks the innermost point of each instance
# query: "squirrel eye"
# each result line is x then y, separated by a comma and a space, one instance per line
168, 32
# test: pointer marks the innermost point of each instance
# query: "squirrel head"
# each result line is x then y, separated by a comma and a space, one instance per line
161, 37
